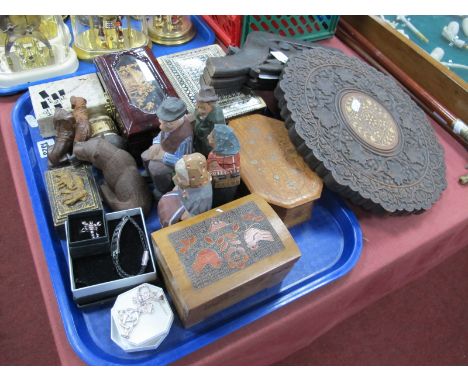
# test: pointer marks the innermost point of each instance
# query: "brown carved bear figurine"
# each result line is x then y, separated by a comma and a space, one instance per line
64, 124
80, 112
123, 186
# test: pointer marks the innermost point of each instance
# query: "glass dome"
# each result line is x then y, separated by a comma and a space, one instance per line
34, 48
170, 29
97, 35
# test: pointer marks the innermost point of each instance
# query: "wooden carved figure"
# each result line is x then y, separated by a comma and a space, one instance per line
207, 114
71, 188
224, 164
123, 186
171, 144
80, 112
193, 192
64, 124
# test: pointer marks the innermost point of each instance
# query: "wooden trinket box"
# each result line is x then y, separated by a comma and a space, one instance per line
272, 168
136, 85
216, 259
361, 132
70, 190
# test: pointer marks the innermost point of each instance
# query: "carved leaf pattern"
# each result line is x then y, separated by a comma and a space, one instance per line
409, 179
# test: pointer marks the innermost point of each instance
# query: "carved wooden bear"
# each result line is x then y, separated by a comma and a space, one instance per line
123, 186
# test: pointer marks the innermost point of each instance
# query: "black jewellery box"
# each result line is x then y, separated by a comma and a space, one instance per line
87, 233
103, 275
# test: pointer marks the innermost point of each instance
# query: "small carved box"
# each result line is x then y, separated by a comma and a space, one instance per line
71, 189
136, 85
218, 258
271, 167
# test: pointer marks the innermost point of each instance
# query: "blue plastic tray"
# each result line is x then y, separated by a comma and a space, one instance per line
330, 243
205, 36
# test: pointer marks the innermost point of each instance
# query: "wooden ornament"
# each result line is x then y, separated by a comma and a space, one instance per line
218, 258
70, 190
272, 168
361, 132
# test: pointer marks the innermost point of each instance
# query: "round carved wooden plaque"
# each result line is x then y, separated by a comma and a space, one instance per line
361, 132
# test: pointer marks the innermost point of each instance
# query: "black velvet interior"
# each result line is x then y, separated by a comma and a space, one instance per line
97, 269
75, 226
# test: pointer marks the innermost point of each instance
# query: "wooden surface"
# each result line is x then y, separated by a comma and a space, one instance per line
196, 304
272, 168
449, 89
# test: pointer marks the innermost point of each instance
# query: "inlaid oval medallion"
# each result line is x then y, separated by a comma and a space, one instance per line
370, 121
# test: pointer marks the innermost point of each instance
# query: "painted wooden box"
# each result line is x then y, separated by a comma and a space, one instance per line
216, 259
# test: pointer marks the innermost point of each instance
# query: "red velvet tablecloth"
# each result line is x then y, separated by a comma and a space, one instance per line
396, 251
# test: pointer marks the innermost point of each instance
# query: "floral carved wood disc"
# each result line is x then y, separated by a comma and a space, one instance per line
361, 132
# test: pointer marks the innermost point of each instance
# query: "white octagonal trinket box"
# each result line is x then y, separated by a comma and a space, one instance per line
141, 318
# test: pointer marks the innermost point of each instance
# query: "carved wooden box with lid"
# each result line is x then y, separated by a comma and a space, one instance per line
70, 190
136, 85
361, 132
216, 259
271, 167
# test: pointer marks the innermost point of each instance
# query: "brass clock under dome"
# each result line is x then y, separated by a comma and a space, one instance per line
34, 48
171, 29
103, 34
359, 130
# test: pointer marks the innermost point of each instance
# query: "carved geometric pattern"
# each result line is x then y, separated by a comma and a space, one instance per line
361, 132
